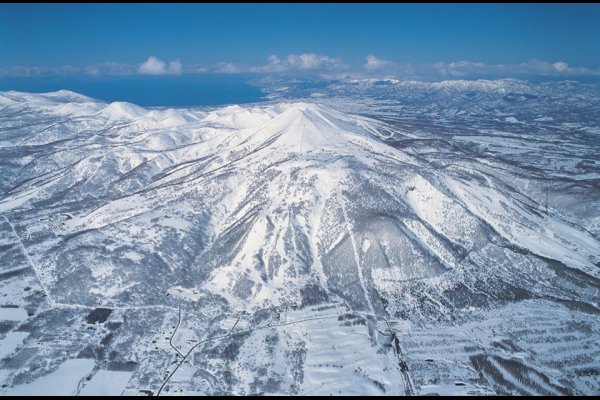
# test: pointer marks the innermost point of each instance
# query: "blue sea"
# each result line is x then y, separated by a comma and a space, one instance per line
149, 91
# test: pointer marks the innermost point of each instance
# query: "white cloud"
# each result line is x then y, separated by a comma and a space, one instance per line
273, 60
308, 61
174, 67
155, 66
458, 68
293, 62
530, 68
228, 68
560, 66
110, 68
373, 63
23, 71
324, 66
274, 64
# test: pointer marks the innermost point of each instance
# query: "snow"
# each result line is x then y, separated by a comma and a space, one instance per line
336, 362
451, 389
11, 341
133, 256
183, 293
12, 314
119, 111
440, 211
62, 382
106, 383
365, 245
544, 236
436, 215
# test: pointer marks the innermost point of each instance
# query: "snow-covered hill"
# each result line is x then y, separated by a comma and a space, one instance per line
293, 211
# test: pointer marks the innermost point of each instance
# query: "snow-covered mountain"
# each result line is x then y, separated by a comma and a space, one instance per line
296, 238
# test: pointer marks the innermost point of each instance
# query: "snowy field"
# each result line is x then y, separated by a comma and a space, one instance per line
361, 238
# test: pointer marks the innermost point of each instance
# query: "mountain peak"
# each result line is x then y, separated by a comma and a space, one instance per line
121, 110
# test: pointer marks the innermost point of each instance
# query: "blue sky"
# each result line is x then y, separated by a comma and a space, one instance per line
400, 39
